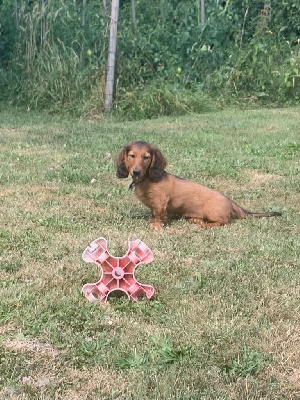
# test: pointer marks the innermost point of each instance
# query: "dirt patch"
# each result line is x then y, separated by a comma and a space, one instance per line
253, 180
13, 131
283, 344
234, 189
289, 112
31, 346
95, 379
8, 329
28, 189
257, 177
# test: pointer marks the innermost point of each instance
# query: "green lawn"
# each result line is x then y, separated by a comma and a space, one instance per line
225, 319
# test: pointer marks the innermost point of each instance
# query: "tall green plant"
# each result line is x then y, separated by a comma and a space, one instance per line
264, 67
48, 73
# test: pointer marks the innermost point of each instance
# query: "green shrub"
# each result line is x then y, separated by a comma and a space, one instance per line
161, 98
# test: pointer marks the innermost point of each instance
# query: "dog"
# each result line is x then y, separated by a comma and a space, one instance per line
166, 194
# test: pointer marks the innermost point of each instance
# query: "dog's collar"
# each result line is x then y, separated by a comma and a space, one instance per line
133, 184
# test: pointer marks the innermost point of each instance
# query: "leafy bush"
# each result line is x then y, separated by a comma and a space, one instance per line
161, 98
264, 69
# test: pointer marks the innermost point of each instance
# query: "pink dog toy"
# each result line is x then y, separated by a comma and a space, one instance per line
117, 272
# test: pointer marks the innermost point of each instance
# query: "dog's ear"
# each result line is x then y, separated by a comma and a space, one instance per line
122, 171
158, 164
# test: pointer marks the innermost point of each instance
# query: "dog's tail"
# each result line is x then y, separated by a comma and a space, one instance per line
241, 213
266, 214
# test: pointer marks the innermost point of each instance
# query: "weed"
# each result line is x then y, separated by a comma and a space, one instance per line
10, 266
163, 354
167, 354
133, 360
249, 363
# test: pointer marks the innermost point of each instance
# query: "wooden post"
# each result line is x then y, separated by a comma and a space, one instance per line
133, 14
83, 17
83, 14
16, 14
202, 12
112, 54
43, 21
162, 10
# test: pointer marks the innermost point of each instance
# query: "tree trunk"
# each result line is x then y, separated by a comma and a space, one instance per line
112, 54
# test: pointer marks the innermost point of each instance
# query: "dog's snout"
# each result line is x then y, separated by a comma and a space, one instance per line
136, 172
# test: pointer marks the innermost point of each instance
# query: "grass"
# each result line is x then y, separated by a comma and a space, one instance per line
224, 321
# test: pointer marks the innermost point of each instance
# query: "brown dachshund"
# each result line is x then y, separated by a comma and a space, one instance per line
165, 193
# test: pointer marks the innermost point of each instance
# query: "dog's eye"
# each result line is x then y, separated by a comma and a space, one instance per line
146, 157
132, 155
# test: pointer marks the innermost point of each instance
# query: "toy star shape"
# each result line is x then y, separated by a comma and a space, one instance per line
117, 272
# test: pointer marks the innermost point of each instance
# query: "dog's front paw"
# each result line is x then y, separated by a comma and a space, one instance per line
156, 225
